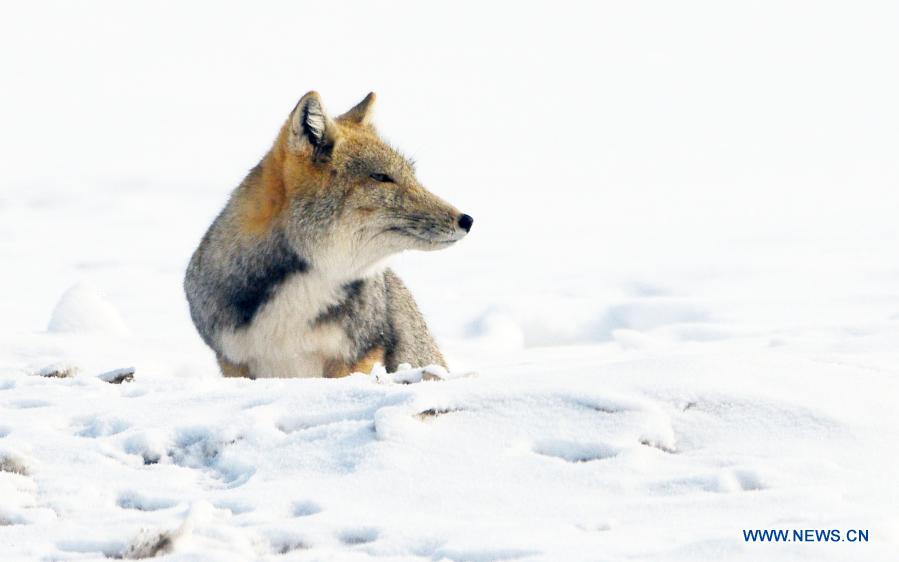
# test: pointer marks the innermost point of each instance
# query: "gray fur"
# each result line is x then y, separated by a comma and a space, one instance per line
308, 293
377, 311
412, 342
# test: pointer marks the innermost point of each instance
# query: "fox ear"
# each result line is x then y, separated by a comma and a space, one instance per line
361, 112
311, 127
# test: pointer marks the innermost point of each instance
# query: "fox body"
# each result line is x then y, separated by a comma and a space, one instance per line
289, 281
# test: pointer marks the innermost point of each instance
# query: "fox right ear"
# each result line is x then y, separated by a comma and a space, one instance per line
361, 112
312, 129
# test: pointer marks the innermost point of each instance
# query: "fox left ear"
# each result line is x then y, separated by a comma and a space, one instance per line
361, 112
311, 127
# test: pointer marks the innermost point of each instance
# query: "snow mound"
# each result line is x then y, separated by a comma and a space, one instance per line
551, 461
83, 309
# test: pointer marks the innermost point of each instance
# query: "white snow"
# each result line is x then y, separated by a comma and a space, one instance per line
82, 309
680, 296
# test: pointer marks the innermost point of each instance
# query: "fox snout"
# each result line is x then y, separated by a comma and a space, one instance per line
432, 230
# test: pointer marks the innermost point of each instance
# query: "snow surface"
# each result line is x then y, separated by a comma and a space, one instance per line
676, 317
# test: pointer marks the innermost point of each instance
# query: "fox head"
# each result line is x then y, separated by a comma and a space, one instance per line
343, 195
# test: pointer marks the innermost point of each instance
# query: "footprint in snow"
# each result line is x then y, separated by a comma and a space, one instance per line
306, 508
149, 445
203, 449
236, 507
749, 480
97, 426
8, 519
132, 499
287, 544
575, 452
362, 535
722, 482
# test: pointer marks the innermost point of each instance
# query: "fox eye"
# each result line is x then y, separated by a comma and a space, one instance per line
384, 178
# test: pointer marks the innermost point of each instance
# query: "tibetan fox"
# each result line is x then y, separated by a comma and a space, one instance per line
289, 280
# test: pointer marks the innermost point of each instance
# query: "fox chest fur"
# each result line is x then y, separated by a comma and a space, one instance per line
289, 279
285, 336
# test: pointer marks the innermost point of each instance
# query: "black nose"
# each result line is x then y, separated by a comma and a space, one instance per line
465, 222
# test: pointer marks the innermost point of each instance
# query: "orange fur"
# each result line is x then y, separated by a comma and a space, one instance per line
352, 183
234, 370
336, 369
285, 174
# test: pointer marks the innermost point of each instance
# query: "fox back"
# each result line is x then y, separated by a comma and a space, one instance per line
290, 281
